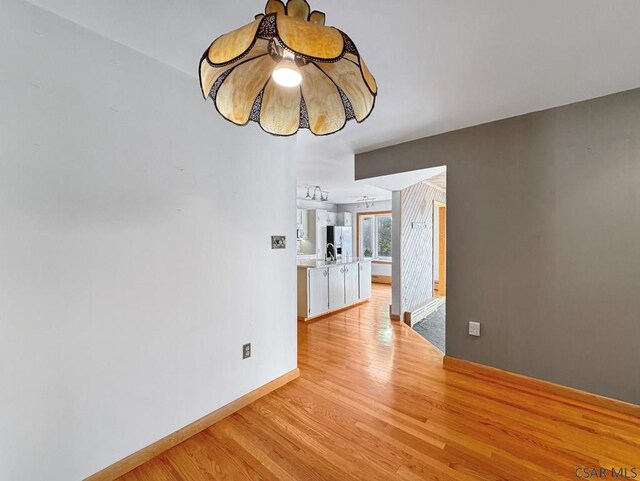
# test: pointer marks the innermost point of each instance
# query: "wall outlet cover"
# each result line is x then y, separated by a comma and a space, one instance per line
474, 329
278, 242
246, 351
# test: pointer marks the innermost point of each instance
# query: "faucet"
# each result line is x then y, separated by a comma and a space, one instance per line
329, 252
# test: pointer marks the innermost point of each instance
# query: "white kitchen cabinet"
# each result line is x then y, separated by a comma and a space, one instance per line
364, 280
321, 233
304, 223
351, 283
316, 233
325, 287
318, 291
336, 287
321, 217
345, 219
332, 218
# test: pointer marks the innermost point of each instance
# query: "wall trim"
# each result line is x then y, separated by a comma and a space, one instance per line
333, 311
138, 458
553, 391
417, 314
377, 279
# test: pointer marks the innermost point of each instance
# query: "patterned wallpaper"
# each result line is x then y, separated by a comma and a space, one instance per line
417, 244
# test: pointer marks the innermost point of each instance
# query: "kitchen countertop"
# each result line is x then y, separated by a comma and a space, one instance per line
319, 263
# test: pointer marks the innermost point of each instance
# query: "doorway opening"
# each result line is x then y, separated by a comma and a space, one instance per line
428, 317
419, 281
439, 249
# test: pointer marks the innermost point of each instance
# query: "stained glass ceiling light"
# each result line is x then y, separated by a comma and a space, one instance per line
286, 70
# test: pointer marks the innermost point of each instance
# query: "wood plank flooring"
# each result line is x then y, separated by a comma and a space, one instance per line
374, 403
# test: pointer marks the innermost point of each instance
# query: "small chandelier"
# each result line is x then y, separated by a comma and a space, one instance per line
366, 201
287, 71
318, 194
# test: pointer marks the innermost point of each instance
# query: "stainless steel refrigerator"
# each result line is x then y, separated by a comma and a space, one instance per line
342, 239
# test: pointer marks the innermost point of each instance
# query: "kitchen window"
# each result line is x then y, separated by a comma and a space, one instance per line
374, 236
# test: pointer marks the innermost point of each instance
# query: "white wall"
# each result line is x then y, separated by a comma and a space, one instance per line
316, 204
382, 205
135, 259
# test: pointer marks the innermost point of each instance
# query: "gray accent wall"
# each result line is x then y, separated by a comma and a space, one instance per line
543, 240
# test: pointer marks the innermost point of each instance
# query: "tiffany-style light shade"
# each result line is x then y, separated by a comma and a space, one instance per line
286, 70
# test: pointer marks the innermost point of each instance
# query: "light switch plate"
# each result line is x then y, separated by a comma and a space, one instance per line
278, 242
474, 329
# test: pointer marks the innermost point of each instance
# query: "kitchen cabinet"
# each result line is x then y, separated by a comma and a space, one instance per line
316, 233
364, 280
318, 291
302, 222
326, 286
345, 219
351, 283
305, 225
321, 233
336, 286
321, 217
332, 218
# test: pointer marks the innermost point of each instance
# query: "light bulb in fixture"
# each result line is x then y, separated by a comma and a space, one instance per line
287, 74
308, 194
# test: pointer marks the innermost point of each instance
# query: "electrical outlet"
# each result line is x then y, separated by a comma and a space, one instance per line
278, 242
246, 351
474, 329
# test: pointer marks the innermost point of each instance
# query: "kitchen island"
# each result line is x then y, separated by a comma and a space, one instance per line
328, 286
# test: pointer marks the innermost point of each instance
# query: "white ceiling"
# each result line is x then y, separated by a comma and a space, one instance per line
440, 64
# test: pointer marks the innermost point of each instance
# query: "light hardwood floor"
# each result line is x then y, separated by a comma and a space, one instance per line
374, 403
